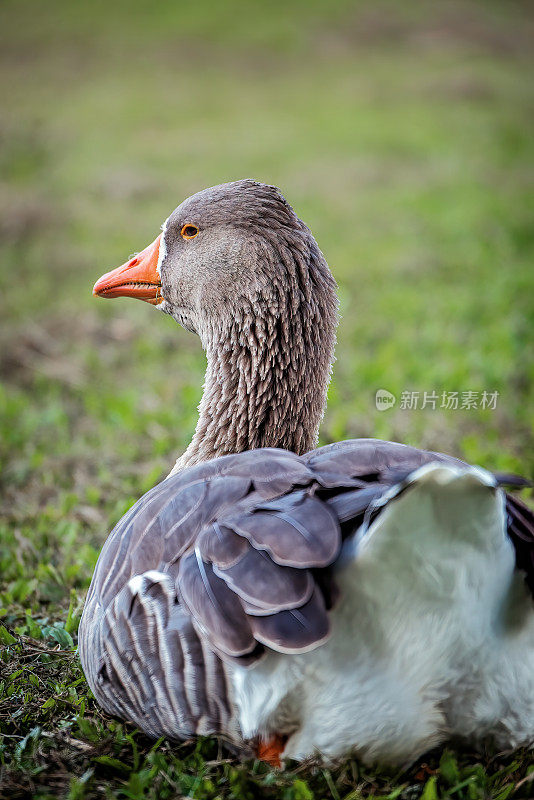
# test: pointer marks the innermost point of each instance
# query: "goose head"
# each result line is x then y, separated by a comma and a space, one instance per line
235, 265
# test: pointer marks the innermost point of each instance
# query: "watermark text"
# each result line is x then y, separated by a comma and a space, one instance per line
450, 401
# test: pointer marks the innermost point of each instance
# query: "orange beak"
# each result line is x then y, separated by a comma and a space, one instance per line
137, 278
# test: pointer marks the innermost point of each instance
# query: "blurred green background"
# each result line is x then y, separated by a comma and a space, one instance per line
400, 132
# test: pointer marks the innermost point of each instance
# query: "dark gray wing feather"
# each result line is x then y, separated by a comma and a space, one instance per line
295, 630
259, 580
216, 609
221, 545
298, 529
146, 663
521, 531
263, 551
369, 459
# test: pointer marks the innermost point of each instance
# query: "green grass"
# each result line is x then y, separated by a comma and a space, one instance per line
402, 137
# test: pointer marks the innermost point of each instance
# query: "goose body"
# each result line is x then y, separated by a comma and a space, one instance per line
362, 596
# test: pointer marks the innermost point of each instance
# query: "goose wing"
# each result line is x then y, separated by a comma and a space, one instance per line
262, 573
141, 653
228, 558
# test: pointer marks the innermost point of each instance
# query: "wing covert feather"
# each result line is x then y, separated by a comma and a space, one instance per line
295, 630
297, 530
216, 609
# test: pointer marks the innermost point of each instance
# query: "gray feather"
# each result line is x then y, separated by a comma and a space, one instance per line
255, 578
296, 630
297, 530
216, 609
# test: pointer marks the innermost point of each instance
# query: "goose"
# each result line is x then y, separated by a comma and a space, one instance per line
363, 597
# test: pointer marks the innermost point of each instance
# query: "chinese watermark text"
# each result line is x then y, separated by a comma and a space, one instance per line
450, 401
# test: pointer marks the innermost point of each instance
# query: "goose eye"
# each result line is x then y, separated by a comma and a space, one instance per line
189, 231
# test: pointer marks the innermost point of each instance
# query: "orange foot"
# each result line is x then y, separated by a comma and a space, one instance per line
270, 750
